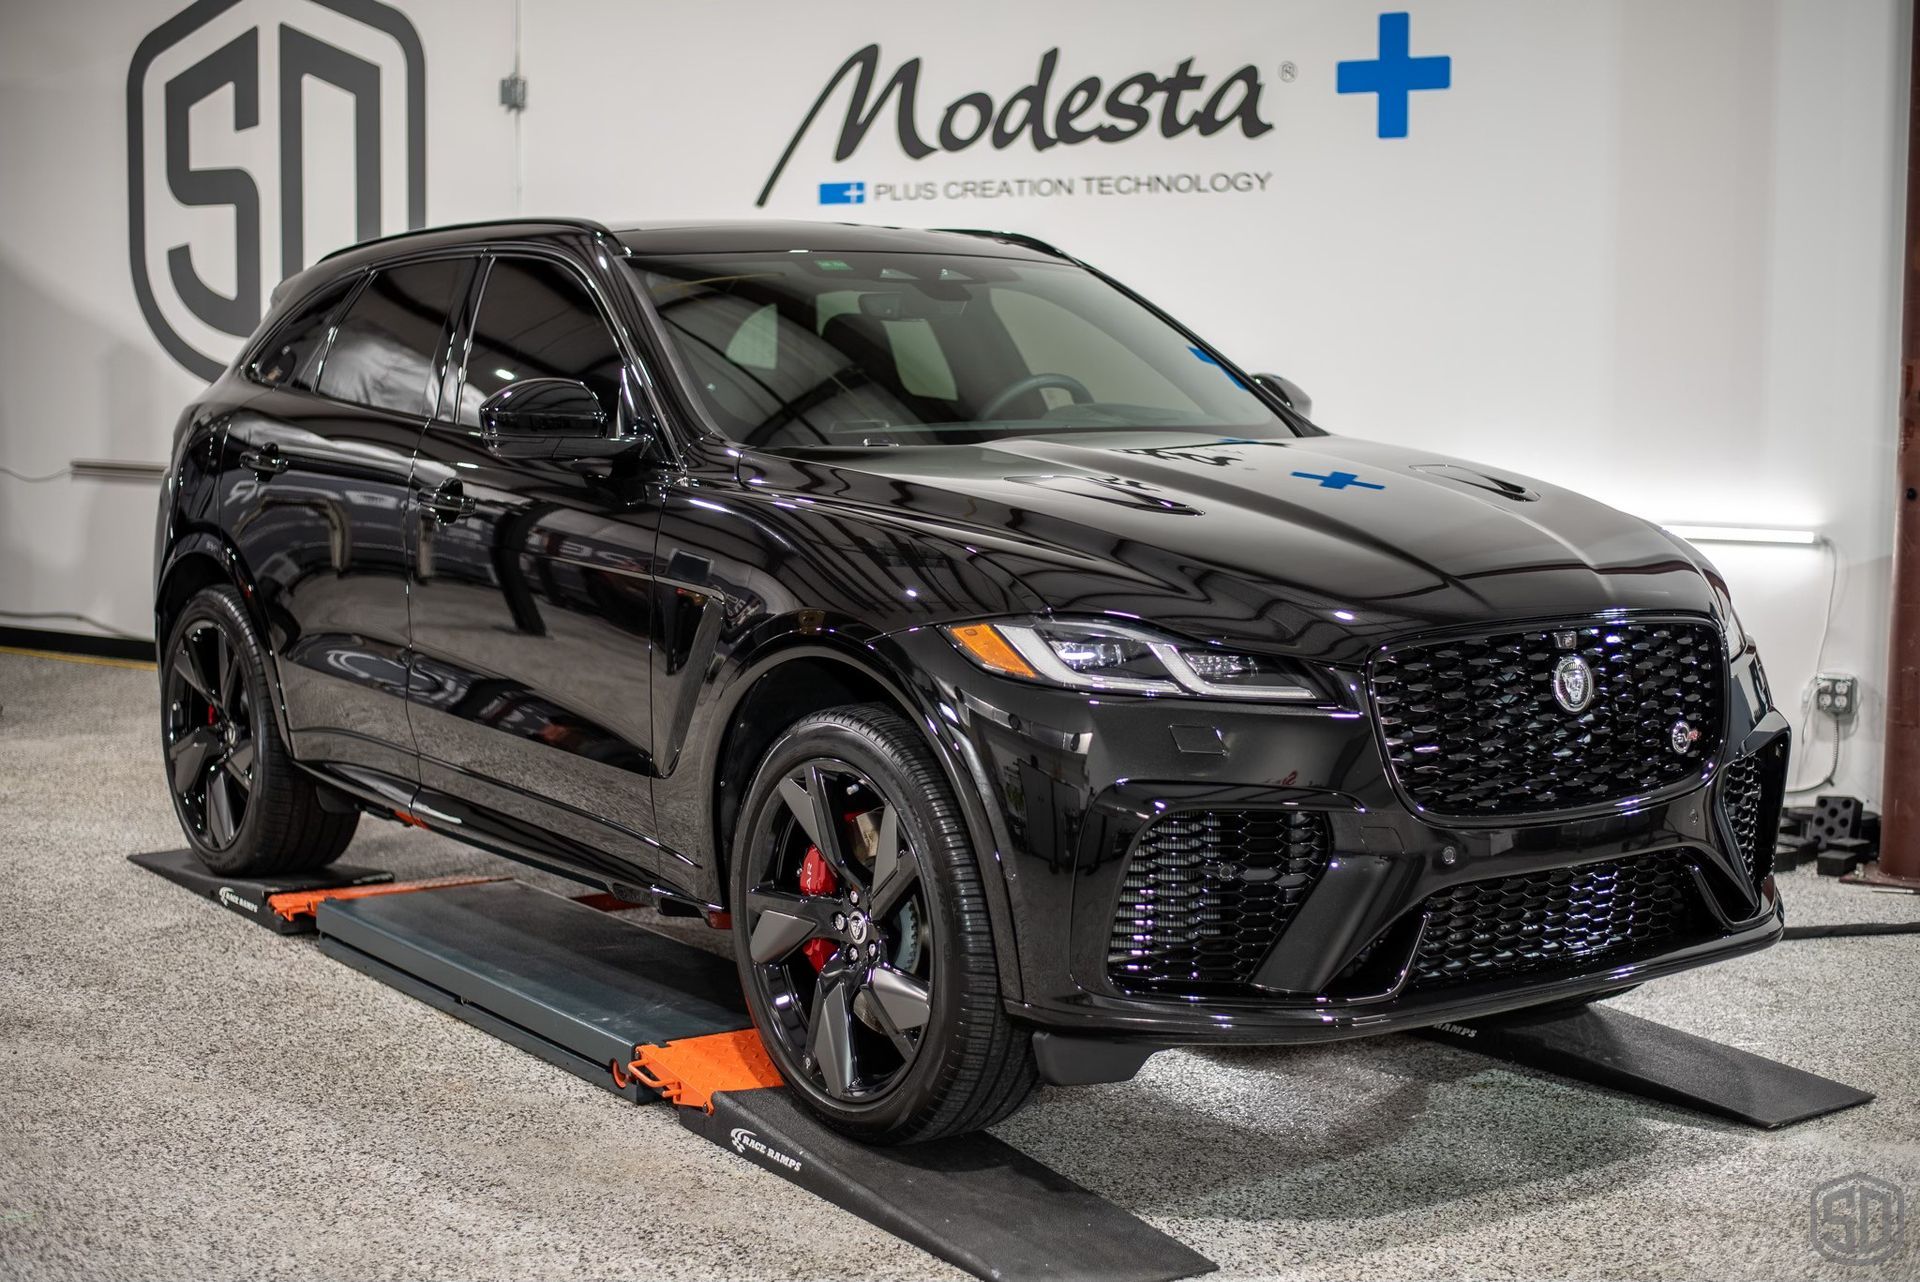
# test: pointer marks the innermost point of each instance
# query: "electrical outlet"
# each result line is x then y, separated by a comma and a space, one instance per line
1837, 694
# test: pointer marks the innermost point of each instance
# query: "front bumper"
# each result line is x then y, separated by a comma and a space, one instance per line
1071, 782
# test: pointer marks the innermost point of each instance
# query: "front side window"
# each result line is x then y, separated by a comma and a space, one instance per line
291, 352
384, 349
537, 320
800, 349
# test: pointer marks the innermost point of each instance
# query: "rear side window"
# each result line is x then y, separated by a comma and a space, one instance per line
290, 354
537, 320
384, 347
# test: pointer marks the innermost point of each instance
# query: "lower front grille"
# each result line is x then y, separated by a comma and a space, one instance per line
1740, 794
1562, 918
1207, 894
1751, 790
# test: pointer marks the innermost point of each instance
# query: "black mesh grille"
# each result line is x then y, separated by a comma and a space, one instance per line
1472, 727
1564, 918
1207, 894
1742, 793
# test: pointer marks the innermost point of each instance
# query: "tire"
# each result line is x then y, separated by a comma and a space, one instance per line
905, 1038
244, 806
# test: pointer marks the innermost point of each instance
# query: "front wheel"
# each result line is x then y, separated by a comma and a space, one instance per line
861, 933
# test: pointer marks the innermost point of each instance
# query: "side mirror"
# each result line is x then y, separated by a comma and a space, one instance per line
547, 418
1290, 392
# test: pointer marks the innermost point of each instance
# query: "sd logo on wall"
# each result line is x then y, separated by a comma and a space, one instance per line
261, 134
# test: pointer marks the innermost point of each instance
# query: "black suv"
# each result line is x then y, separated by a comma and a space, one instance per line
1026, 685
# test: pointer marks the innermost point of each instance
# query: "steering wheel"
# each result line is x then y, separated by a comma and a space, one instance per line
1033, 383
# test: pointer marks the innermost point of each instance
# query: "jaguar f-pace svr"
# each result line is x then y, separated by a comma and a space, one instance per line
1027, 686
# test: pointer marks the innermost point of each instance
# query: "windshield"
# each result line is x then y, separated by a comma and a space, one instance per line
802, 349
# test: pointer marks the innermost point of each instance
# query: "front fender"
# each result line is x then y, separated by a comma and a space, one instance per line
688, 799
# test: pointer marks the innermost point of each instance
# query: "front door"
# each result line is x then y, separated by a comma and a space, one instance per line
531, 599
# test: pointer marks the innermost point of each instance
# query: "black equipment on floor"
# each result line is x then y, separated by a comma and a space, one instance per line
248, 896
646, 1017
1639, 1057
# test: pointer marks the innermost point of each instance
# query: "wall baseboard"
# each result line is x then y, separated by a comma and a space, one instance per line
77, 643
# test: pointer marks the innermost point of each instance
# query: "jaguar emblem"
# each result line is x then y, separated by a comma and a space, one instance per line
1573, 683
1682, 738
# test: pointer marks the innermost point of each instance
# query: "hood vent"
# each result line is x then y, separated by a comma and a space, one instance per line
1111, 489
1478, 480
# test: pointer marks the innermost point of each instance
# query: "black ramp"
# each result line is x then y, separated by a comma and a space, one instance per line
973, 1201
248, 895
574, 976
1614, 1049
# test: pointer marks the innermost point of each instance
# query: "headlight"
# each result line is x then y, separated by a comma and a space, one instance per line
1120, 659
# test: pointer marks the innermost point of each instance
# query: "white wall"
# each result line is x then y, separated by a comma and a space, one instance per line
84, 375
1647, 250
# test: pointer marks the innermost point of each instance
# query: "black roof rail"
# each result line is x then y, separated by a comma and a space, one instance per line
580, 224
1013, 237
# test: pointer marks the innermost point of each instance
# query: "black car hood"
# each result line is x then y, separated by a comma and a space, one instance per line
1317, 544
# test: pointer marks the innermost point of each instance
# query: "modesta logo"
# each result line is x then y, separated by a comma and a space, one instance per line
1090, 110
255, 129
1059, 107
745, 1141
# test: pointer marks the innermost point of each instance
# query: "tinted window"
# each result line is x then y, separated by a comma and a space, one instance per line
537, 320
383, 350
289, 355
797, 349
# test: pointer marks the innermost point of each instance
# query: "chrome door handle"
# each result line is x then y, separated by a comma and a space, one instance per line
264, 462
448, 503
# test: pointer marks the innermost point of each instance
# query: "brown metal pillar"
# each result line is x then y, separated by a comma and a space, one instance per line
1900, 783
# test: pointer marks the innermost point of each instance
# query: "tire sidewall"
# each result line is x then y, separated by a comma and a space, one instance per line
813, 739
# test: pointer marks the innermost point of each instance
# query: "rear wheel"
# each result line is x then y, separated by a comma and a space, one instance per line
241, 801
861, 933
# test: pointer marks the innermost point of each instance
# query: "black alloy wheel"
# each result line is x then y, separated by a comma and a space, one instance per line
862, 935
243, 804
840, 934
209, 735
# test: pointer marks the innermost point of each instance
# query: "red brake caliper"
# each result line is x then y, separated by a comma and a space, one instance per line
816, 878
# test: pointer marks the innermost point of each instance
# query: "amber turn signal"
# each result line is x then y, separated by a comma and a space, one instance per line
984, 644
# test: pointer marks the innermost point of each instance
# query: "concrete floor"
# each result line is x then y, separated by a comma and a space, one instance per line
183, 1095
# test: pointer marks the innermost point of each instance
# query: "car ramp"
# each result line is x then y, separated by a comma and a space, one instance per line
649, 1019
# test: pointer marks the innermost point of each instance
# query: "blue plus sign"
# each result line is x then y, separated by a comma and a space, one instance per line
1393, 75
1339, 481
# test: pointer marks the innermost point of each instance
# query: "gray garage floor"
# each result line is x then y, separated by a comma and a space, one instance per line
183, 1095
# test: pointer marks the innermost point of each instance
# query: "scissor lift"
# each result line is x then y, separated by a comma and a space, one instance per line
648, 1019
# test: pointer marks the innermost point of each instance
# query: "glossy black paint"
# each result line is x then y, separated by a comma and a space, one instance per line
574, 660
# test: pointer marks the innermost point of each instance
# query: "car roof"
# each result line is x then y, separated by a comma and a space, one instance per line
761, 235
767, 235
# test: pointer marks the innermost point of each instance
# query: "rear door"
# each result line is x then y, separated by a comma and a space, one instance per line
317, 488
531, 608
